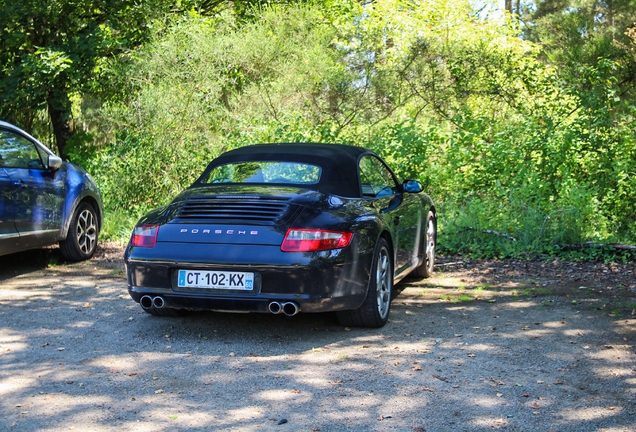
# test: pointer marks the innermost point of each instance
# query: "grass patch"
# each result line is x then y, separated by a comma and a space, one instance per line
117, 227
453, 298
541, 291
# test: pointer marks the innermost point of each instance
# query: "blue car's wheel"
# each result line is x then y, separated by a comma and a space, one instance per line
81, 239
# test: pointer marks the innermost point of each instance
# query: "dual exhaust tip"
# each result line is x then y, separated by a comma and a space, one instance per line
288, 308
148, 302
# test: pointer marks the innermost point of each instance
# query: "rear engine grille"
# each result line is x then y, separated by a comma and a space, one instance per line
235, 209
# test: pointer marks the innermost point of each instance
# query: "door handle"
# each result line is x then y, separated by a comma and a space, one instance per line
20, 184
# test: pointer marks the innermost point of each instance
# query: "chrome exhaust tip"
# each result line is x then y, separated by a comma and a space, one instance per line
146, 302
290, 308
158, 302
275, 307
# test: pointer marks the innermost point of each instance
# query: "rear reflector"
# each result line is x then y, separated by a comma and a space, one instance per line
145, 236
310, 240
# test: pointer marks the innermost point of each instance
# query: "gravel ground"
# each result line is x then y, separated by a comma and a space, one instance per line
481, 346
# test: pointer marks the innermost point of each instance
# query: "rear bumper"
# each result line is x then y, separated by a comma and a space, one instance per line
317, 282
257, 303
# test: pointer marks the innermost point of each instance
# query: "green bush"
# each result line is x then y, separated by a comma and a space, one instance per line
506, 148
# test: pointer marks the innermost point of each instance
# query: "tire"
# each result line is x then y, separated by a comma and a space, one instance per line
425, 270
81, 239
374, 311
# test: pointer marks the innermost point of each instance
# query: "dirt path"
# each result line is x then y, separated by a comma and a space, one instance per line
481, 346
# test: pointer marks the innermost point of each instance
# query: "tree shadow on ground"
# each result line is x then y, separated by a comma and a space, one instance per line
78, 352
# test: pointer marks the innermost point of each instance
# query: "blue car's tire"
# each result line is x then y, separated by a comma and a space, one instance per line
81, 239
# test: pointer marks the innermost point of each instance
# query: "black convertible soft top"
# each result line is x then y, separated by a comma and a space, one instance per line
339, 162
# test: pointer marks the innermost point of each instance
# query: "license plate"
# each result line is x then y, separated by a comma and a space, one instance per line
215, 280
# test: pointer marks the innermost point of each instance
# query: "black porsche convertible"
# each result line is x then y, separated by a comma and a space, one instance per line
285, 228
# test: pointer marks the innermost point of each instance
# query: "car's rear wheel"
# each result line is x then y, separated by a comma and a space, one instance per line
81, 239
374, 311
426, 268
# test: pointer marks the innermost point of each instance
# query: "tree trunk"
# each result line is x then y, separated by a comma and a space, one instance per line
508, 5
59, 106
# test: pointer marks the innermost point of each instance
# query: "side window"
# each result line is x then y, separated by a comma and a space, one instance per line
375, 178
44, 157
18, 152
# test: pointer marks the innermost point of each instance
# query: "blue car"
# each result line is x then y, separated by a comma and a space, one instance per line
44, 200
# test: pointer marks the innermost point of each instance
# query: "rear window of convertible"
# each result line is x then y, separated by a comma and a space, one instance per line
265, 172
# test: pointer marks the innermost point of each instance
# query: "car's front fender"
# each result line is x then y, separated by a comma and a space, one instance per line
80, 187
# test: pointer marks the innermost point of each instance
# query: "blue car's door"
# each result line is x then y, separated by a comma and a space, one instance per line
8, 233
37, 193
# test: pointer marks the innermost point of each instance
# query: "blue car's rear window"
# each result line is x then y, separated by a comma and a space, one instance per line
265, 172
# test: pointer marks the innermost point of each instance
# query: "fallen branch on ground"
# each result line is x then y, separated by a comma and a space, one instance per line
487, 231
448, 264
593, 245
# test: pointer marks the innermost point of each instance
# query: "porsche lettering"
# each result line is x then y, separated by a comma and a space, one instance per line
207, 231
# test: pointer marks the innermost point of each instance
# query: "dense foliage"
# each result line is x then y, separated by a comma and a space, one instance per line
514, 137
52, 50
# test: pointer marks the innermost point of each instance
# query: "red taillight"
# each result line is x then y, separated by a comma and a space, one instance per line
309, 240
145, 235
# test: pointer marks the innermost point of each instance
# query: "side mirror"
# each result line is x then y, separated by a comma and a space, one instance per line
412, 186
55, 162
